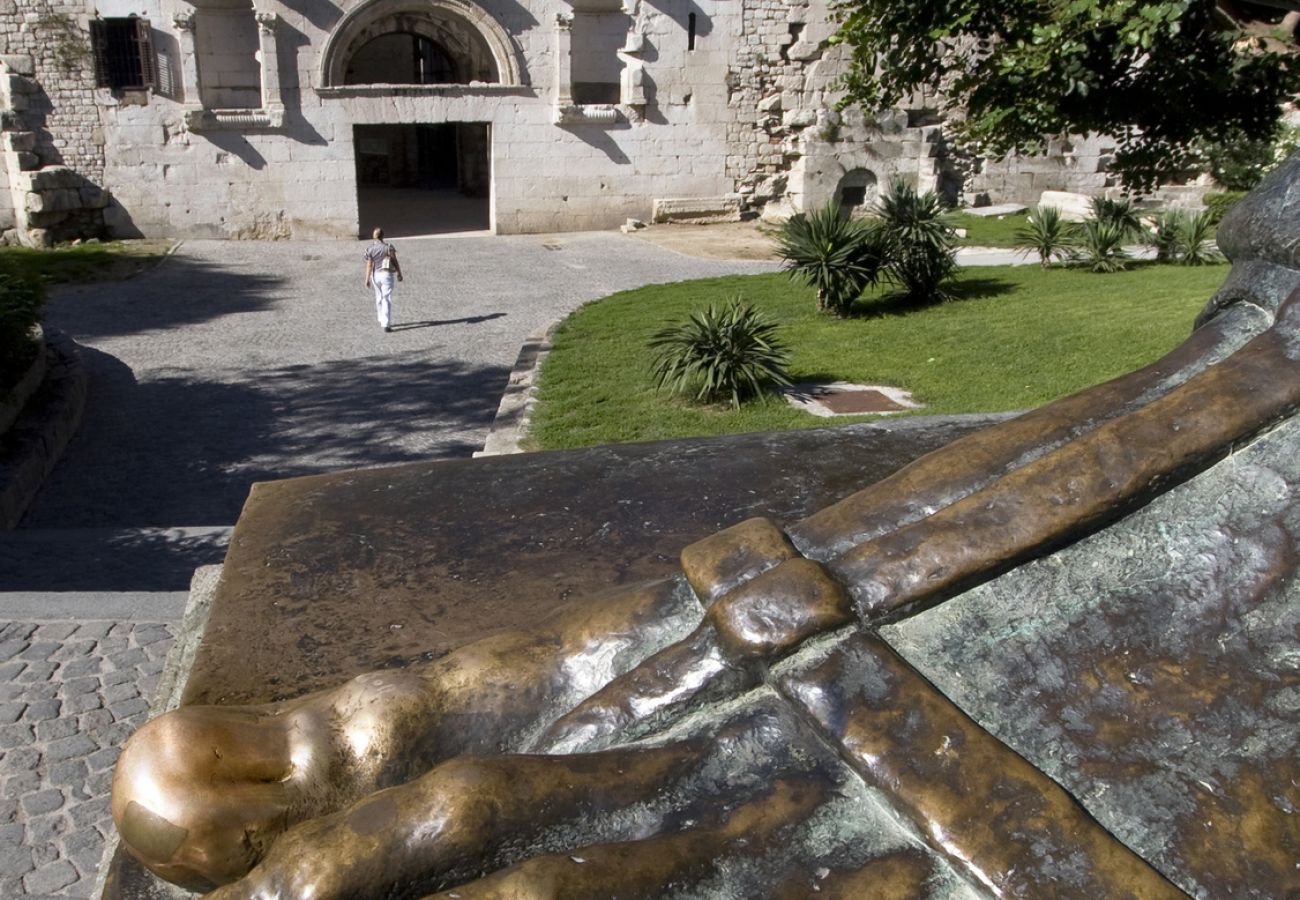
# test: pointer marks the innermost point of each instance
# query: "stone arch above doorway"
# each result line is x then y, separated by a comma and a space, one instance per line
482, 49
857, 190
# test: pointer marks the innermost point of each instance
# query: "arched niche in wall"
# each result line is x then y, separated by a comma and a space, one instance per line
475, 44
856, 191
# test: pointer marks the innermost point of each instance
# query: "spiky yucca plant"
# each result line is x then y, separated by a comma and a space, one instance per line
1101, 246
1120, 213
1046, 235
831, 253
1192, 239
919, 245
1163, 235
729, 352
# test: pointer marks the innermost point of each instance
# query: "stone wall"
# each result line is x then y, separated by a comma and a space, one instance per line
52, 150
722, 108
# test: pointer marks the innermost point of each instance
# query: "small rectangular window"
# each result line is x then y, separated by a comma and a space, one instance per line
123, 51
690, 32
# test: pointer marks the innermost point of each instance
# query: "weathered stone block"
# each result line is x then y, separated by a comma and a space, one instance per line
93, 197
18, 63
21, 140
28, 162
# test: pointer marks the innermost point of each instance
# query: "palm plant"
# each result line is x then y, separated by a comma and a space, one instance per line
1163, 235
837, 256
919, 245
729, 352
1119, 213
1101, 246
1195, 246
1045, 234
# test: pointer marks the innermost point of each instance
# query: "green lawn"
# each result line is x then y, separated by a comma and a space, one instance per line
1018, 337
108, 261
991, 232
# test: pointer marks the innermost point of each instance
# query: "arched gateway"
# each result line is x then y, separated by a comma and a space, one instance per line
430, 171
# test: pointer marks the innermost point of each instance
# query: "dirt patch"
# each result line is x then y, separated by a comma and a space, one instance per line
841, 398
724, 240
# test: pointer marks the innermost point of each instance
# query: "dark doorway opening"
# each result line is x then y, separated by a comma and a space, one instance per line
423, 178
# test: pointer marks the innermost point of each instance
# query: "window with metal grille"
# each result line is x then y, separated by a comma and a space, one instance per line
123, 49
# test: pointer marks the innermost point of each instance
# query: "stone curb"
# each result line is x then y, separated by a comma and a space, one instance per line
12, 405
171, 684
42, 431
515, 411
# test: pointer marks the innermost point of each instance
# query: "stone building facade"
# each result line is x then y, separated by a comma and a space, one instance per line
304, 118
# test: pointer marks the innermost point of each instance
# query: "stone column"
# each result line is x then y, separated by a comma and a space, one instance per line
563, 63
269, 57
183, 22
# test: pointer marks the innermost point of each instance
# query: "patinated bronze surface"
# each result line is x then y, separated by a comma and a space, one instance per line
1055, 658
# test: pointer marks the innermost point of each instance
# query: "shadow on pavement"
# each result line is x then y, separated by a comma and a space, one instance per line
223, 435
182, 291
468, 320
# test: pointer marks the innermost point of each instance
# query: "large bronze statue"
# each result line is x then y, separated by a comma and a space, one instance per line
732, 731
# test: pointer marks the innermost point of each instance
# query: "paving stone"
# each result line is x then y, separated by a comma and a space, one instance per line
11, 836
85, 685
74, 651
15, 735
48, 879
73, 771
48, 829
113, 644
127, 659
45, 690
54, 729
38, 670
43, 710
11, 648
153, 666
21, 783
56, 631
116, 677
148, 634
116, 734
82, 703
20, 759
74, 668
102, 759
66, 748
16, 860
120, 692
85, 815
12, 691
94, 630
17, 631
11, 711
39, 650
44, 853
11, 670
128, 708
8, 810
100, 782
41, 801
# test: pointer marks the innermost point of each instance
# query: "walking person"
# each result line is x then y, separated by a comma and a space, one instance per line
381, 267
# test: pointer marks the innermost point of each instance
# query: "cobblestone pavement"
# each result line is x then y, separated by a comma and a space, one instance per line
70, 693
230, 363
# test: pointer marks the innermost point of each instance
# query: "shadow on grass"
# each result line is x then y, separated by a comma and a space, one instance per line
897, 303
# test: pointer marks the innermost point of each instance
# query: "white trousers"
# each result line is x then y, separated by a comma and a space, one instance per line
383, 282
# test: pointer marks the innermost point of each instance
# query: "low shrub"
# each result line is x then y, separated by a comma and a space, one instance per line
21, 298
1217, 203
1046, 235
1194, 240
836, 256
1119, 213
1101, 246
721, 353
920, 246
1163, 235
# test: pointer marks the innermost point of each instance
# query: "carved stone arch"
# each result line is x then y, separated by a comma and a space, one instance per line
462, 27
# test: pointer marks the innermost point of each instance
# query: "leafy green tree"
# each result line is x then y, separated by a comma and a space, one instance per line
1157, 75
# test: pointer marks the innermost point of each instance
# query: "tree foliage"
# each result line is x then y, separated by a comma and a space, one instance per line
1157, 75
